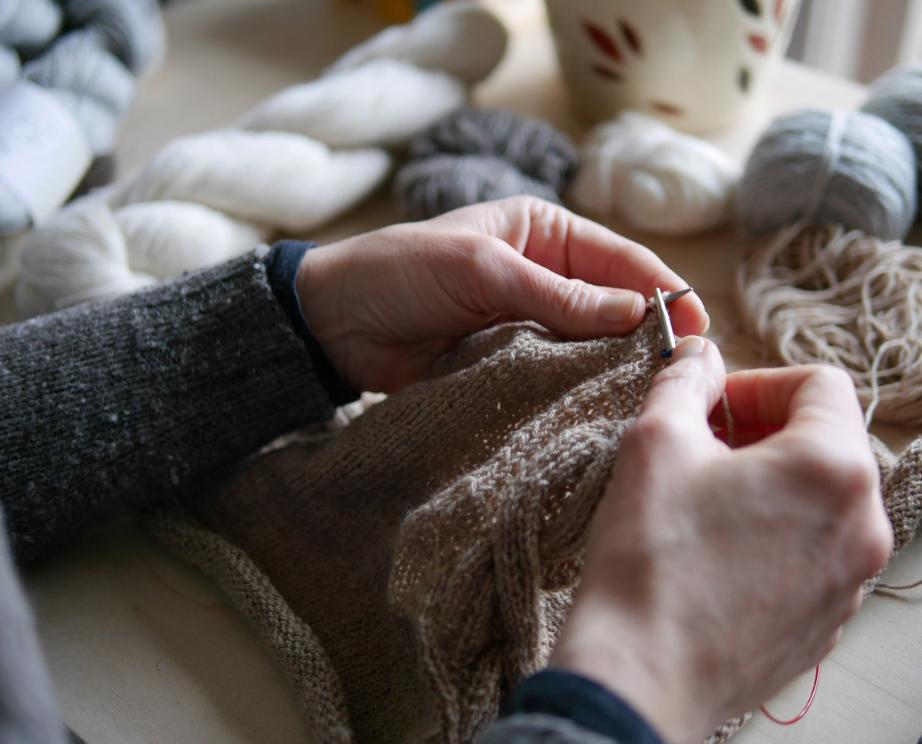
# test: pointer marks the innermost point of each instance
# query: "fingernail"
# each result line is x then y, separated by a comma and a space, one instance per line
707, 324
690, 346
621, 307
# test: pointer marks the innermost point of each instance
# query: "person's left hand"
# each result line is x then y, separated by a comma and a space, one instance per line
385, 305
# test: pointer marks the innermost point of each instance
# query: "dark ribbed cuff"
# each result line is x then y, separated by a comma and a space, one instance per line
567, 695
282, 270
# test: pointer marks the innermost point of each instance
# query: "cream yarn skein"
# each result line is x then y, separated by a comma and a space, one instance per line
654, 177
295, 161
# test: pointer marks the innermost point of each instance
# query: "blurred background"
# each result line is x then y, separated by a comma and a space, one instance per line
858, 39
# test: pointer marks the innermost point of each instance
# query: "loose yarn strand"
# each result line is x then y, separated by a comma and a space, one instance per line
803, 711
900, 587
831, 296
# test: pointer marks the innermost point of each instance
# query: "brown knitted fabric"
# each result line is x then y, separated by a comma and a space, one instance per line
432, 545
426, 554
901, 485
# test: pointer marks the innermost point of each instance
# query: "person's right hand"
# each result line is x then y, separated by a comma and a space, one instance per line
714, 576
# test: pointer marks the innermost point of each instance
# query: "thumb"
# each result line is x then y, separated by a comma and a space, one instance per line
690, 387
570, 307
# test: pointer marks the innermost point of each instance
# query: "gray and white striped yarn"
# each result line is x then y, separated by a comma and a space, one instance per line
87, 54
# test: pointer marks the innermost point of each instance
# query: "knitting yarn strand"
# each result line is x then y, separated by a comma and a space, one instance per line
827, 295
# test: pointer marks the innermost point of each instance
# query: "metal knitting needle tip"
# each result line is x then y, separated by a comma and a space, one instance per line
673, 296
665, 323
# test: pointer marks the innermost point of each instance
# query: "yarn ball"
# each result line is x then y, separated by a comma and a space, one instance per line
820, 167
86, 53
896, 97
475, 155
653, 177
830, 296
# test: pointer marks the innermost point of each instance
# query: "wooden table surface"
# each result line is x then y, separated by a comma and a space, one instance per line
143, 649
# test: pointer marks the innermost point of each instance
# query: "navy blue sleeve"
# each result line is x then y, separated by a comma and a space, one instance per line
560, 693
282, 270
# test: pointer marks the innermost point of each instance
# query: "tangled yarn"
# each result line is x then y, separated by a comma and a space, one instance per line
86, 53
654, 177
896, 97
476, 155
848, 168
827, 295
295, 161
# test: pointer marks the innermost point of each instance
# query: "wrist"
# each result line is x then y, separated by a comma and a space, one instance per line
317, 287
599, 643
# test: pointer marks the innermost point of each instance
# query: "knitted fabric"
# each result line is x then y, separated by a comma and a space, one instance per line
431, 547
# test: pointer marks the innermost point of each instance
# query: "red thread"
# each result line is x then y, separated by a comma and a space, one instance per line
803, 711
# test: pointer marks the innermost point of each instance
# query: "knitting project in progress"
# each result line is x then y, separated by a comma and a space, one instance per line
409, 569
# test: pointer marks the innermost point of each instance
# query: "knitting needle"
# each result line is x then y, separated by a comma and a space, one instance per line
660, 301
673, 296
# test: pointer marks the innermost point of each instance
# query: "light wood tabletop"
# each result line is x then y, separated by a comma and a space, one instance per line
143, 649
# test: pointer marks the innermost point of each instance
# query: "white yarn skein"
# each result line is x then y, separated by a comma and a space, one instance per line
378, 103
86, 55
654, 177
290, 182
89, 255
304, 156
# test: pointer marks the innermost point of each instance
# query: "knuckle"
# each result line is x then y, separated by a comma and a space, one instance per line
520, 202
680, 377
477, 256
875, 546
858, 477
573, 297
829, 376
849, 479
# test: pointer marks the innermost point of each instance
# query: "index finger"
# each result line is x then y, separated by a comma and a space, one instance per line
576, 247
816, 399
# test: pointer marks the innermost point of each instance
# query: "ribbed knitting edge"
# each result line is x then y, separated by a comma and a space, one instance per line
290, 640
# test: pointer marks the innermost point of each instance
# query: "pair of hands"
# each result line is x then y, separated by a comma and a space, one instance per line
713, 575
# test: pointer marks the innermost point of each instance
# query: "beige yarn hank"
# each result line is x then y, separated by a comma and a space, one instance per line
826, 295
424, 556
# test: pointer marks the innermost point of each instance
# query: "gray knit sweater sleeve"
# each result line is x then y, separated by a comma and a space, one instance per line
107, 407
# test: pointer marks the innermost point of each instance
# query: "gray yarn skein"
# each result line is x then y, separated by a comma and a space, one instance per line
896, 97
848, 168
426, 188
476, 155
90, 69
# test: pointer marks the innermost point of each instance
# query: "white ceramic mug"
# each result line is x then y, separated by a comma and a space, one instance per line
696, 64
